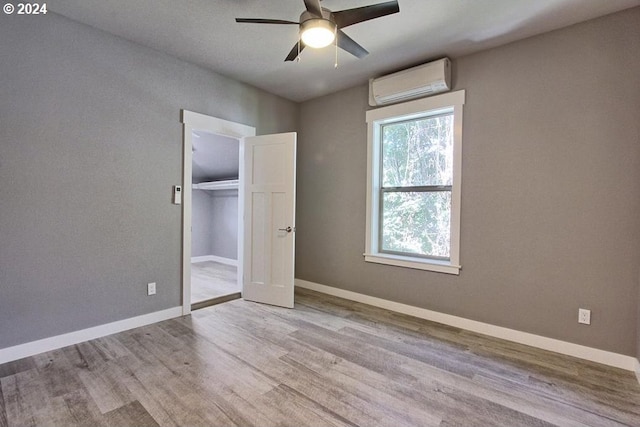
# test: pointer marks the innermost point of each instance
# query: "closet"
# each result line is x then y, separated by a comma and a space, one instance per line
214, 236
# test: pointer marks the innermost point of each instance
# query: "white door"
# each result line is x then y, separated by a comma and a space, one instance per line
269, 187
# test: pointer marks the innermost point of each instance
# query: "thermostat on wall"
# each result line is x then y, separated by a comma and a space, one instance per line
177, 194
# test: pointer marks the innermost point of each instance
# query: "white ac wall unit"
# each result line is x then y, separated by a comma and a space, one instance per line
416, 82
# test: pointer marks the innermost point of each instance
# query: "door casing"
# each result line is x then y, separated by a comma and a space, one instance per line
195, 121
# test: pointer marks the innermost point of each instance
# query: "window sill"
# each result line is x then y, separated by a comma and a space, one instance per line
408, 262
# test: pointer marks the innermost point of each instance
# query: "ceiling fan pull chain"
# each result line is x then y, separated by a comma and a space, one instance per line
298, 57
335, 36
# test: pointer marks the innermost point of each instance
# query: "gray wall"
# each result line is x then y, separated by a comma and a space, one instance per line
215, 223
90, 146
201, 220
550, 200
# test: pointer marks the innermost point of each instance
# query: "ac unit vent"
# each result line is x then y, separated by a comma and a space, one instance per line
416, 82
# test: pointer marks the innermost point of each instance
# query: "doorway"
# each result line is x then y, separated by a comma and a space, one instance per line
214, 219
206, 137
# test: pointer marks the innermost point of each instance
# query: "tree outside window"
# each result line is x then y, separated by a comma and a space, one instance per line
417, 174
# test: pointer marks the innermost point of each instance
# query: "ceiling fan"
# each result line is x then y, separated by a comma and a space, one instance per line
319, 26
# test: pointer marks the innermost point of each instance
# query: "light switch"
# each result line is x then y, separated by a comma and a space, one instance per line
177, 194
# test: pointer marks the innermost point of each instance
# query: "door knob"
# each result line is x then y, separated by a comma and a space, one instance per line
288, 229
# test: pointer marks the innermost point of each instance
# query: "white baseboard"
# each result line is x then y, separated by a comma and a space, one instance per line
593, 354
53, 343
637, 369
221, 260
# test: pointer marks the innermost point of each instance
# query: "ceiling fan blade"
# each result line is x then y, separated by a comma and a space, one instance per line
344, 18
313, 6
347, 43
264, 21
294, 52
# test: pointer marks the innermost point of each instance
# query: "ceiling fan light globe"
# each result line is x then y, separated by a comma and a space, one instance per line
317, 33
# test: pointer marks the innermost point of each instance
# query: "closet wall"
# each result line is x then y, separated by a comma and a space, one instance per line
215, 223
201, 223
214, 211
224, 212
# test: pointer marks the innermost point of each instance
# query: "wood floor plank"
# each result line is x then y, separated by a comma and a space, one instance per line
474, 411
3, 411
83, 356
239, 410
178, 399
289, 407
533, 358
154, 405
131, 414
452, 358
585, 411
255, 318
228, 394
304, 381
429, 399
332, 396
17, 366
228, 355
524, 358
540, 407
308, 315
357, 352
105, 389
209, 372
396, 407
60, 376
328, 362
211, 279
23, 397
54, 413
83, 409
446, 359
239, 342
436, 405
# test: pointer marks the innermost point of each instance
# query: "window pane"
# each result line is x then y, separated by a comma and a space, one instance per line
418, 152
417, 223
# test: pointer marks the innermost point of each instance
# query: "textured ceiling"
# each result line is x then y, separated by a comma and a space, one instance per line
204, 32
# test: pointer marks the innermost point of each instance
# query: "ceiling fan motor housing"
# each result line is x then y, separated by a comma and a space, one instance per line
326, 14
317, 32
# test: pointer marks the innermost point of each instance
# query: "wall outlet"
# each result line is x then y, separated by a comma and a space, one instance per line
151, 288
584, 316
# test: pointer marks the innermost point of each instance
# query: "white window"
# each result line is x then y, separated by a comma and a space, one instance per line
413, 190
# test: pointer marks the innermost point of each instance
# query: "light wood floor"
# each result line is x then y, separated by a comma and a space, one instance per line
210, 279
328, 362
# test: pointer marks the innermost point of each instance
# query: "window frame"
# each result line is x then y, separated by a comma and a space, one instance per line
451, 102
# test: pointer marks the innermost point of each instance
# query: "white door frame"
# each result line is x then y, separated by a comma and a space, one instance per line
195, 121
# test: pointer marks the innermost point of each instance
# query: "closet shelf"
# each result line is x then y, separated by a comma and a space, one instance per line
229, 184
